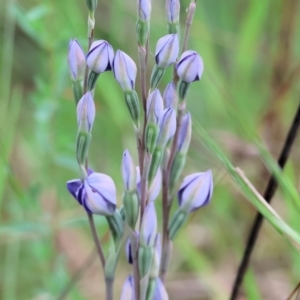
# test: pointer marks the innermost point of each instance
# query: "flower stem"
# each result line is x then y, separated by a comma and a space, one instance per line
109, 285
167, 198
189, 21
96, 240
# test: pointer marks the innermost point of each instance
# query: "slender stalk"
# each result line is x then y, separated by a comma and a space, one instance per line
96, 240
167, 198
189, 21
109, 285
268, 195
143, 55
90, 41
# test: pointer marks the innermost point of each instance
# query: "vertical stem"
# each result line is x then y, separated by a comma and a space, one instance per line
189, 21
109, 285
96, 240
268, 195
167, 198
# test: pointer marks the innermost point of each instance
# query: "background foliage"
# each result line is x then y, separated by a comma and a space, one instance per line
252, 67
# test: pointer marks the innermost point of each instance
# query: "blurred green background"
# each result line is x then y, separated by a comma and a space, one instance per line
251, 50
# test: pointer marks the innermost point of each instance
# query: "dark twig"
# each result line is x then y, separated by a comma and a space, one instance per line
268, 195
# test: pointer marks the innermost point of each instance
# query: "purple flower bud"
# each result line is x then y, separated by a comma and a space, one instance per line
185, 132
86, 112
172, 11
155, 106
144, 10
167, 49
167, 124
160, 291
149, 226
128, 289
97, 193
170, 96
124, 70
76, 60
128, 172
100, 56
190, 66
195, 191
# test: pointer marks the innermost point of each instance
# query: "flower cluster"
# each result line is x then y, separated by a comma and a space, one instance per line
163, 143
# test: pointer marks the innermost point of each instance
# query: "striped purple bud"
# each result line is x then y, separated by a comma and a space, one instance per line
190, 66
167, 49
97, 193
195, 191
86, 112
170, 96
76, 60
128, 172
128, 289
124, 70
144, 10
149, 226
100, 56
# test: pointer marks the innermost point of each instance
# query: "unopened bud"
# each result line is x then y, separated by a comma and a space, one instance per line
128, 172
167, 49
149, 226
172, 14
170, 96
195, 191
124, 70
76, 61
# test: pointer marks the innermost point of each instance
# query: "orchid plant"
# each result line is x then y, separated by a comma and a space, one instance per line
163, 138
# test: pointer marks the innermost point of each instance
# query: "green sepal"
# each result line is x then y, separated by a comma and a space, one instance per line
183, 89
111, 262
116, 226
83, 141
131, 207
151, 288
145, 257
176, 169
91, 5
156, 76
155, 163
77, 90
173, 28
92, 79
176, 223
122, 213
142, 32
151, 135
133, 104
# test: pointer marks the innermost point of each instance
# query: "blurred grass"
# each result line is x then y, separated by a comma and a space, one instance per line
249, 92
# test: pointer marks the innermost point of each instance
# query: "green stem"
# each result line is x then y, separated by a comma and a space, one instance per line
96, 240
109, 284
